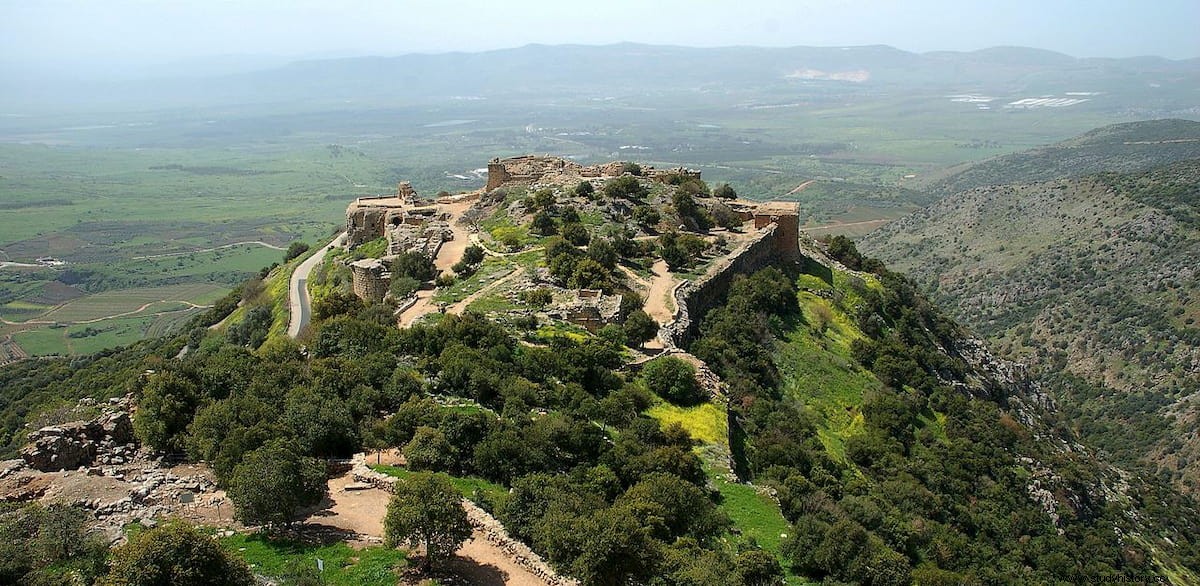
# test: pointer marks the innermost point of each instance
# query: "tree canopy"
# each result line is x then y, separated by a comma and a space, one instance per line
177, 554
426, 511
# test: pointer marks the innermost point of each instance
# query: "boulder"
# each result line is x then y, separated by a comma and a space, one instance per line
117, 426
59, 448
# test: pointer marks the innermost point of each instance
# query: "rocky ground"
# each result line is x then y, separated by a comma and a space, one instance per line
96, 465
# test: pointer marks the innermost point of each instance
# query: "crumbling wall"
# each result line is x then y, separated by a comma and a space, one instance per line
82, 443
694, 298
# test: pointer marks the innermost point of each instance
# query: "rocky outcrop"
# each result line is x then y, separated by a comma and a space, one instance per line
104, 439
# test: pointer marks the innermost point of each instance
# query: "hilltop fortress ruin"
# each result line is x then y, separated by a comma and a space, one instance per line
530, 169
769, 233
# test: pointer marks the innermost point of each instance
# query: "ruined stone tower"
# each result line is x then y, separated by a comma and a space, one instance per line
786, 216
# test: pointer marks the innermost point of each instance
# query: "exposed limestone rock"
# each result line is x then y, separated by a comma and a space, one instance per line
104, 439
59, 448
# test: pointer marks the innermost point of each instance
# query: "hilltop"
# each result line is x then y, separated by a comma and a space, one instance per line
1091, 280
750, 407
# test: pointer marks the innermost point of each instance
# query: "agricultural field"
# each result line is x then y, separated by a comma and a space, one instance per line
95, 322
141, 196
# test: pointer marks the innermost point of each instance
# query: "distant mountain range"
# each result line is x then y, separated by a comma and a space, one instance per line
633, 68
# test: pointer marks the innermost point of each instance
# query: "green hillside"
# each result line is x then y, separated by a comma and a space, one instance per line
1128, 147
1093, 282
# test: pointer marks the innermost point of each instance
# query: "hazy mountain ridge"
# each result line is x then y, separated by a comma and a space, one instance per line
1124, 147
1091, 280
630, 67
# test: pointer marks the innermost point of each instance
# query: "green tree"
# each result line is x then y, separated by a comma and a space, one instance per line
676, 258
294, 250
674, 380
625, 188
576, 233
639, 328
429, 450
274, 482
603, 252
543, 224
540, 297
473, 255
569, 215
589, 274
321, 423
175, 554
585, 189
252, 331
48, 545
403, 285
724, 191
414, 264
759, 568
426, 511
337, 303
646, 216
165, 409
672, 507
544, 199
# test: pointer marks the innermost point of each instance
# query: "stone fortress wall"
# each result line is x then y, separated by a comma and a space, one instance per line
778, 240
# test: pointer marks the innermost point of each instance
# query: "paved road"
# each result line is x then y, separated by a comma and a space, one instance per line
298, 302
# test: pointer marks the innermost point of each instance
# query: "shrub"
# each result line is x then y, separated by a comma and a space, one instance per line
294, 250
674, 380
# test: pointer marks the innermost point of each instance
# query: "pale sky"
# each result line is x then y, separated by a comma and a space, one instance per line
116, 34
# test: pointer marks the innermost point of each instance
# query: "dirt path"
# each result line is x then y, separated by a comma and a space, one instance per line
659, 304
40, 320
424, 305
223, 246
802, 186
462, 306
451, 252
362, 512
834, 225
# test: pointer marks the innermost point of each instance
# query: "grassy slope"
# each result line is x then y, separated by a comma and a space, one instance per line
817, 370
754, 514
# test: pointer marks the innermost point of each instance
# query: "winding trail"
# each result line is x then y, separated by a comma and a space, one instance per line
298, 301
143, 307
223, 246
802, 186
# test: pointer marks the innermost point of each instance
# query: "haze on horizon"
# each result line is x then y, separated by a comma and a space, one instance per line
135, 37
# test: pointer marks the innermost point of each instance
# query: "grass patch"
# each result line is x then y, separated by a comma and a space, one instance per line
558, 329
376, 248
754, 515
817, 367
705, 422
492, 268
483, 492
344, 565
